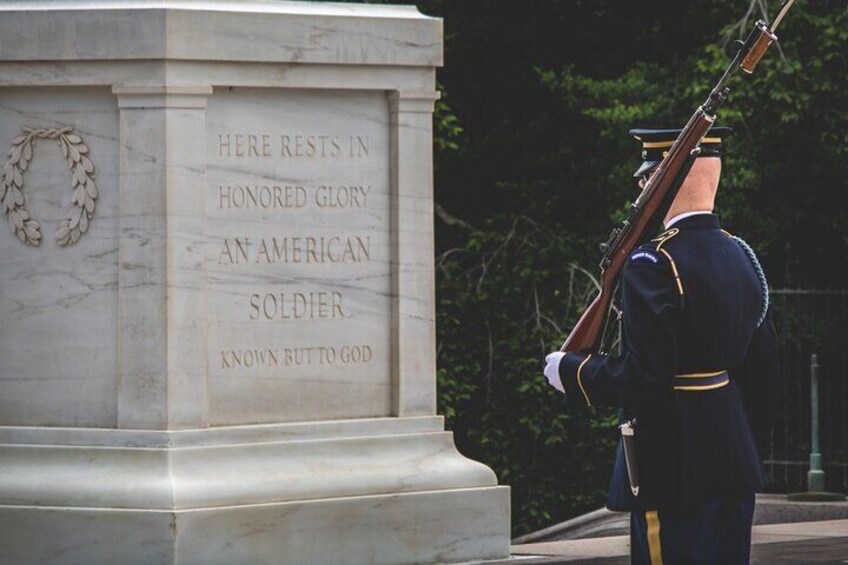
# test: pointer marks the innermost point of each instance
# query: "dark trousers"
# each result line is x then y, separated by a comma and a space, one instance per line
715, 533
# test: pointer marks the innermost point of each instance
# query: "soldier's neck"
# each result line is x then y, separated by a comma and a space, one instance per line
693, 197
698, 191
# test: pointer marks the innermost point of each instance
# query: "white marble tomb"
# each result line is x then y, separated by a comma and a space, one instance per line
217, 290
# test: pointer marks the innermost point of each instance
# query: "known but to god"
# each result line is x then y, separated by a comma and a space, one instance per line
296, 356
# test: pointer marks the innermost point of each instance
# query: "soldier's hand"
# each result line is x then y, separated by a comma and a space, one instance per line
552, 369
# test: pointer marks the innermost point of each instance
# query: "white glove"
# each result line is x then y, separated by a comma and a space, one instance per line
552, 369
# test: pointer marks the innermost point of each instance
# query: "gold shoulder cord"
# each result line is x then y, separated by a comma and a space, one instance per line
665, 236
660, 241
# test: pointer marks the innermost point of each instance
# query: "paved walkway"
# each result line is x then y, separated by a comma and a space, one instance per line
803, 542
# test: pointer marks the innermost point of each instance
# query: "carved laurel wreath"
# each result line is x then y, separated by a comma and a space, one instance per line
82, 184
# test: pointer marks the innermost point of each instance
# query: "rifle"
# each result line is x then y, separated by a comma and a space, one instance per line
659, 192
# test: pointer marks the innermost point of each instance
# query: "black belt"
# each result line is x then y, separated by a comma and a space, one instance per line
700, 381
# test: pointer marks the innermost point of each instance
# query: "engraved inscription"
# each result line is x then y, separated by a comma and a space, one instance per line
267, 197
250, 197
298, 254
296, 356
249, 358
299, 249
342, 196
294, 145
296, 306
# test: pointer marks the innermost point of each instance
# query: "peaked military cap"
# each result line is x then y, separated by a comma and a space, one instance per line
657, 142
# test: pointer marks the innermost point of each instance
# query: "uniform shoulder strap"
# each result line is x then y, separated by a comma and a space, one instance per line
660, 241
760, 273
665, 236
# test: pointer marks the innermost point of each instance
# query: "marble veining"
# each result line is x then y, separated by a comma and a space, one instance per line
291, 32
298, 214
233, 359
54, 294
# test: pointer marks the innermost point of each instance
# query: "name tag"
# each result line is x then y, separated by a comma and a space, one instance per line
644, 257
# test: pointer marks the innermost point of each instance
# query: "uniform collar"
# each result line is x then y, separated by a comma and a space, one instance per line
679, 217
701, 220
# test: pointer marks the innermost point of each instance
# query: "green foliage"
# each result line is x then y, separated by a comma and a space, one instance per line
545, 184
503, 304
446, 128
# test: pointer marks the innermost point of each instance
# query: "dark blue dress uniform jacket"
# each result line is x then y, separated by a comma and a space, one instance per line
691, 302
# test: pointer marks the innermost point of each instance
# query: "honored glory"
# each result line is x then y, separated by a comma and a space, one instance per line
249, 197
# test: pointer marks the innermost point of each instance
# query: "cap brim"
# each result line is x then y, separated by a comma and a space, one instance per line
645, 167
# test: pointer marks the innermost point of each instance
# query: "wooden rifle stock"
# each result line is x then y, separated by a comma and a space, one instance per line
590, 326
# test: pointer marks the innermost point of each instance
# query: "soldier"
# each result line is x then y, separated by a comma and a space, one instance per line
696, 371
